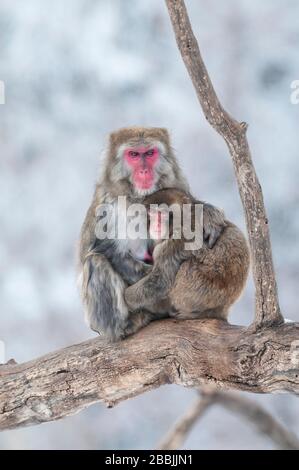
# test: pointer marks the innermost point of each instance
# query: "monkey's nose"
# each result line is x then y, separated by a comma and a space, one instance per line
143, 171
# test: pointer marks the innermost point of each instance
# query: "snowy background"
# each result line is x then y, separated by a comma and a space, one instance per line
77, 69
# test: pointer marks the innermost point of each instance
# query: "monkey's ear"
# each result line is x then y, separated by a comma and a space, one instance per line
114, 140
165, 132
112, 137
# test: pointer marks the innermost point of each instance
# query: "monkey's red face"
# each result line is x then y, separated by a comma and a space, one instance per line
159, 224
142, 162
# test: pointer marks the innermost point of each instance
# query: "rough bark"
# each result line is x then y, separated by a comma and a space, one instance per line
190, 353
267, 309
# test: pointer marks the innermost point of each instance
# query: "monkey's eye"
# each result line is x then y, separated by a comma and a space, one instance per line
133, 154
149, 153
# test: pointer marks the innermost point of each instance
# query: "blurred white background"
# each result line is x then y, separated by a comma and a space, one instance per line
77, 69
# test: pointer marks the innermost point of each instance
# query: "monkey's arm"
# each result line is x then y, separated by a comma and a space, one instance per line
168, 257
105, 272
213, 223
129, 268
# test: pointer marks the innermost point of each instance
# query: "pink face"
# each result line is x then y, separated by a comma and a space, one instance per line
159, 221
142, 161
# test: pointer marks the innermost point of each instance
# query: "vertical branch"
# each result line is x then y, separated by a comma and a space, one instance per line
267, 310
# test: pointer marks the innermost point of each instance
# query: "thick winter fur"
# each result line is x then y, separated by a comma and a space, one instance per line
108, 267
192, 284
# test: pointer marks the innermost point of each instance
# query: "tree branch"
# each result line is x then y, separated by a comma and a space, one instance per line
260, 418
179, 433
267, 311
191, 353
251, 411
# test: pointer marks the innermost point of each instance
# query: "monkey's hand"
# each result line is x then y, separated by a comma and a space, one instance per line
133, 297
213, 224
130, 269
154, 287
142, 270
134, 270
147, 291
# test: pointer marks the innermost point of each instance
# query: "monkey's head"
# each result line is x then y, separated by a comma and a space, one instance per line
140, 159
160, 209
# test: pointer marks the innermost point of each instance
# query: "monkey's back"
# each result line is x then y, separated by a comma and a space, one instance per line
212, 279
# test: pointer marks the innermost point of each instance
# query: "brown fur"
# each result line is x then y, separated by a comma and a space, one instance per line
138, 135
199, 283
108, 267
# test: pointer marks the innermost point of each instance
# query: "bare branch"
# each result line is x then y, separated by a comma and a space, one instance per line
177, 436
191, 353
251, 411
260, 418
267, 311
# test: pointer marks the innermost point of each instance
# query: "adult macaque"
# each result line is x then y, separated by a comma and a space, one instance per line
139, 161
190, 283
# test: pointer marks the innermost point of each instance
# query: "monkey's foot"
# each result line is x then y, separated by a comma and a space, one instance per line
136, 321
131, 296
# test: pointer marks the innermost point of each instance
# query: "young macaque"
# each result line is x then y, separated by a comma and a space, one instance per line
189, 280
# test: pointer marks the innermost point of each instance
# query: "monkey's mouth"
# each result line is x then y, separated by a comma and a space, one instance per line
148, 258
145, 184
144, 179
144, 191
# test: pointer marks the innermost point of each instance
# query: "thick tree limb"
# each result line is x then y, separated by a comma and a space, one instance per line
251, 411
189, 353
267, 309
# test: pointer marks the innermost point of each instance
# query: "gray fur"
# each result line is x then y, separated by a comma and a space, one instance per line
108, 267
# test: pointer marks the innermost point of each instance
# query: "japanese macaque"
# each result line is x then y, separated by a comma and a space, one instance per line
139, 161
186, 281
